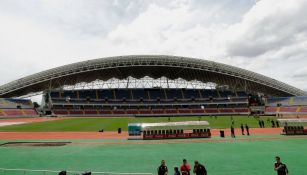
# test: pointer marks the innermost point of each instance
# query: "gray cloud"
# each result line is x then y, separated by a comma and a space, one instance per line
268, 26
267, 37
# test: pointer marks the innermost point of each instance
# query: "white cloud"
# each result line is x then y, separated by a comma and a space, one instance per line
271, 38
267, 36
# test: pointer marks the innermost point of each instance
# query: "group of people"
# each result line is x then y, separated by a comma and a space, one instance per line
274, 124
261, 124
185, 168
243, 128
200, 169
246, 127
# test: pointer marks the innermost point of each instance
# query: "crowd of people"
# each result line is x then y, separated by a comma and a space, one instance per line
199, 169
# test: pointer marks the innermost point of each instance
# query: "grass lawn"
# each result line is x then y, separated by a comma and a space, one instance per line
220, 158
112, 124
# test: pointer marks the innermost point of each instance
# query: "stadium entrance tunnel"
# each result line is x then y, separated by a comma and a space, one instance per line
155, 66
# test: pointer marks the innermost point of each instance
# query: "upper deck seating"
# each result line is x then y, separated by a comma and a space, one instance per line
123, 94
209, 93
105, 94
69, 94
156, 93
190, 93
173, 93
242, 94
140, 94
85, 94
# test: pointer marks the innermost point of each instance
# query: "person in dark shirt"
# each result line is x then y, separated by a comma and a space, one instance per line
242, 129
232, 130
185, 168
273, 123
280, 167
247, 129
199, 169
176, 171
277, 124
162, 169
260, 123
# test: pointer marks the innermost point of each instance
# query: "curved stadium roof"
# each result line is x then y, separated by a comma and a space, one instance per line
154, 66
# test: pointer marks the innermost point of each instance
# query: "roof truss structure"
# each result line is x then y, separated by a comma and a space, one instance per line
154, 66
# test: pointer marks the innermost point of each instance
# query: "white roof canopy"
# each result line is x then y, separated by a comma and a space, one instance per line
296, 120
173, 125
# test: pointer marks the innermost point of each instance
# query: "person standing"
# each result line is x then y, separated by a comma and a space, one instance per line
277, 124
247, 129
199, 169
162, 169
273, 123
185, 168
279, 167
232, 130
242, 129
176, 171
260, 123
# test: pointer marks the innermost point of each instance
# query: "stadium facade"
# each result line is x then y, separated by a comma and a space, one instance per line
233, 87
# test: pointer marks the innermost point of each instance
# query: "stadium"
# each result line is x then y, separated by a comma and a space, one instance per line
177, 107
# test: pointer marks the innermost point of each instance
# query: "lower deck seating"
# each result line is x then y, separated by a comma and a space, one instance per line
241, 110
17, 112
155, 111
286, 110
270, 110
290, 109
303, 109
90, 112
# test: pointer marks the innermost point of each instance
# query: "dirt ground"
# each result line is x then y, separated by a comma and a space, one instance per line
111, 135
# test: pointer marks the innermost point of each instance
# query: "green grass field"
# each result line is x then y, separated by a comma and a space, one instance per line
235, 157
220, 158
112, 124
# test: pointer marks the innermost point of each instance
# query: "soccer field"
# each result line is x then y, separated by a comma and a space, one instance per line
112, 124
235, 157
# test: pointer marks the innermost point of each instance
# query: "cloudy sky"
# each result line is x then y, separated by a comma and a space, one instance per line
267, 36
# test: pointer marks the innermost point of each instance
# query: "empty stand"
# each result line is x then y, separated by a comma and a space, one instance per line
10, 107
290, 109
150, 101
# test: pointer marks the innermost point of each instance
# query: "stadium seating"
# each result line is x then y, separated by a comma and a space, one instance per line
87, 94
299, 101
290, 109
10, 107
150, 101
286, 105
190, 93
287, 101
241, 110
241, 94
270, 110
303, 109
